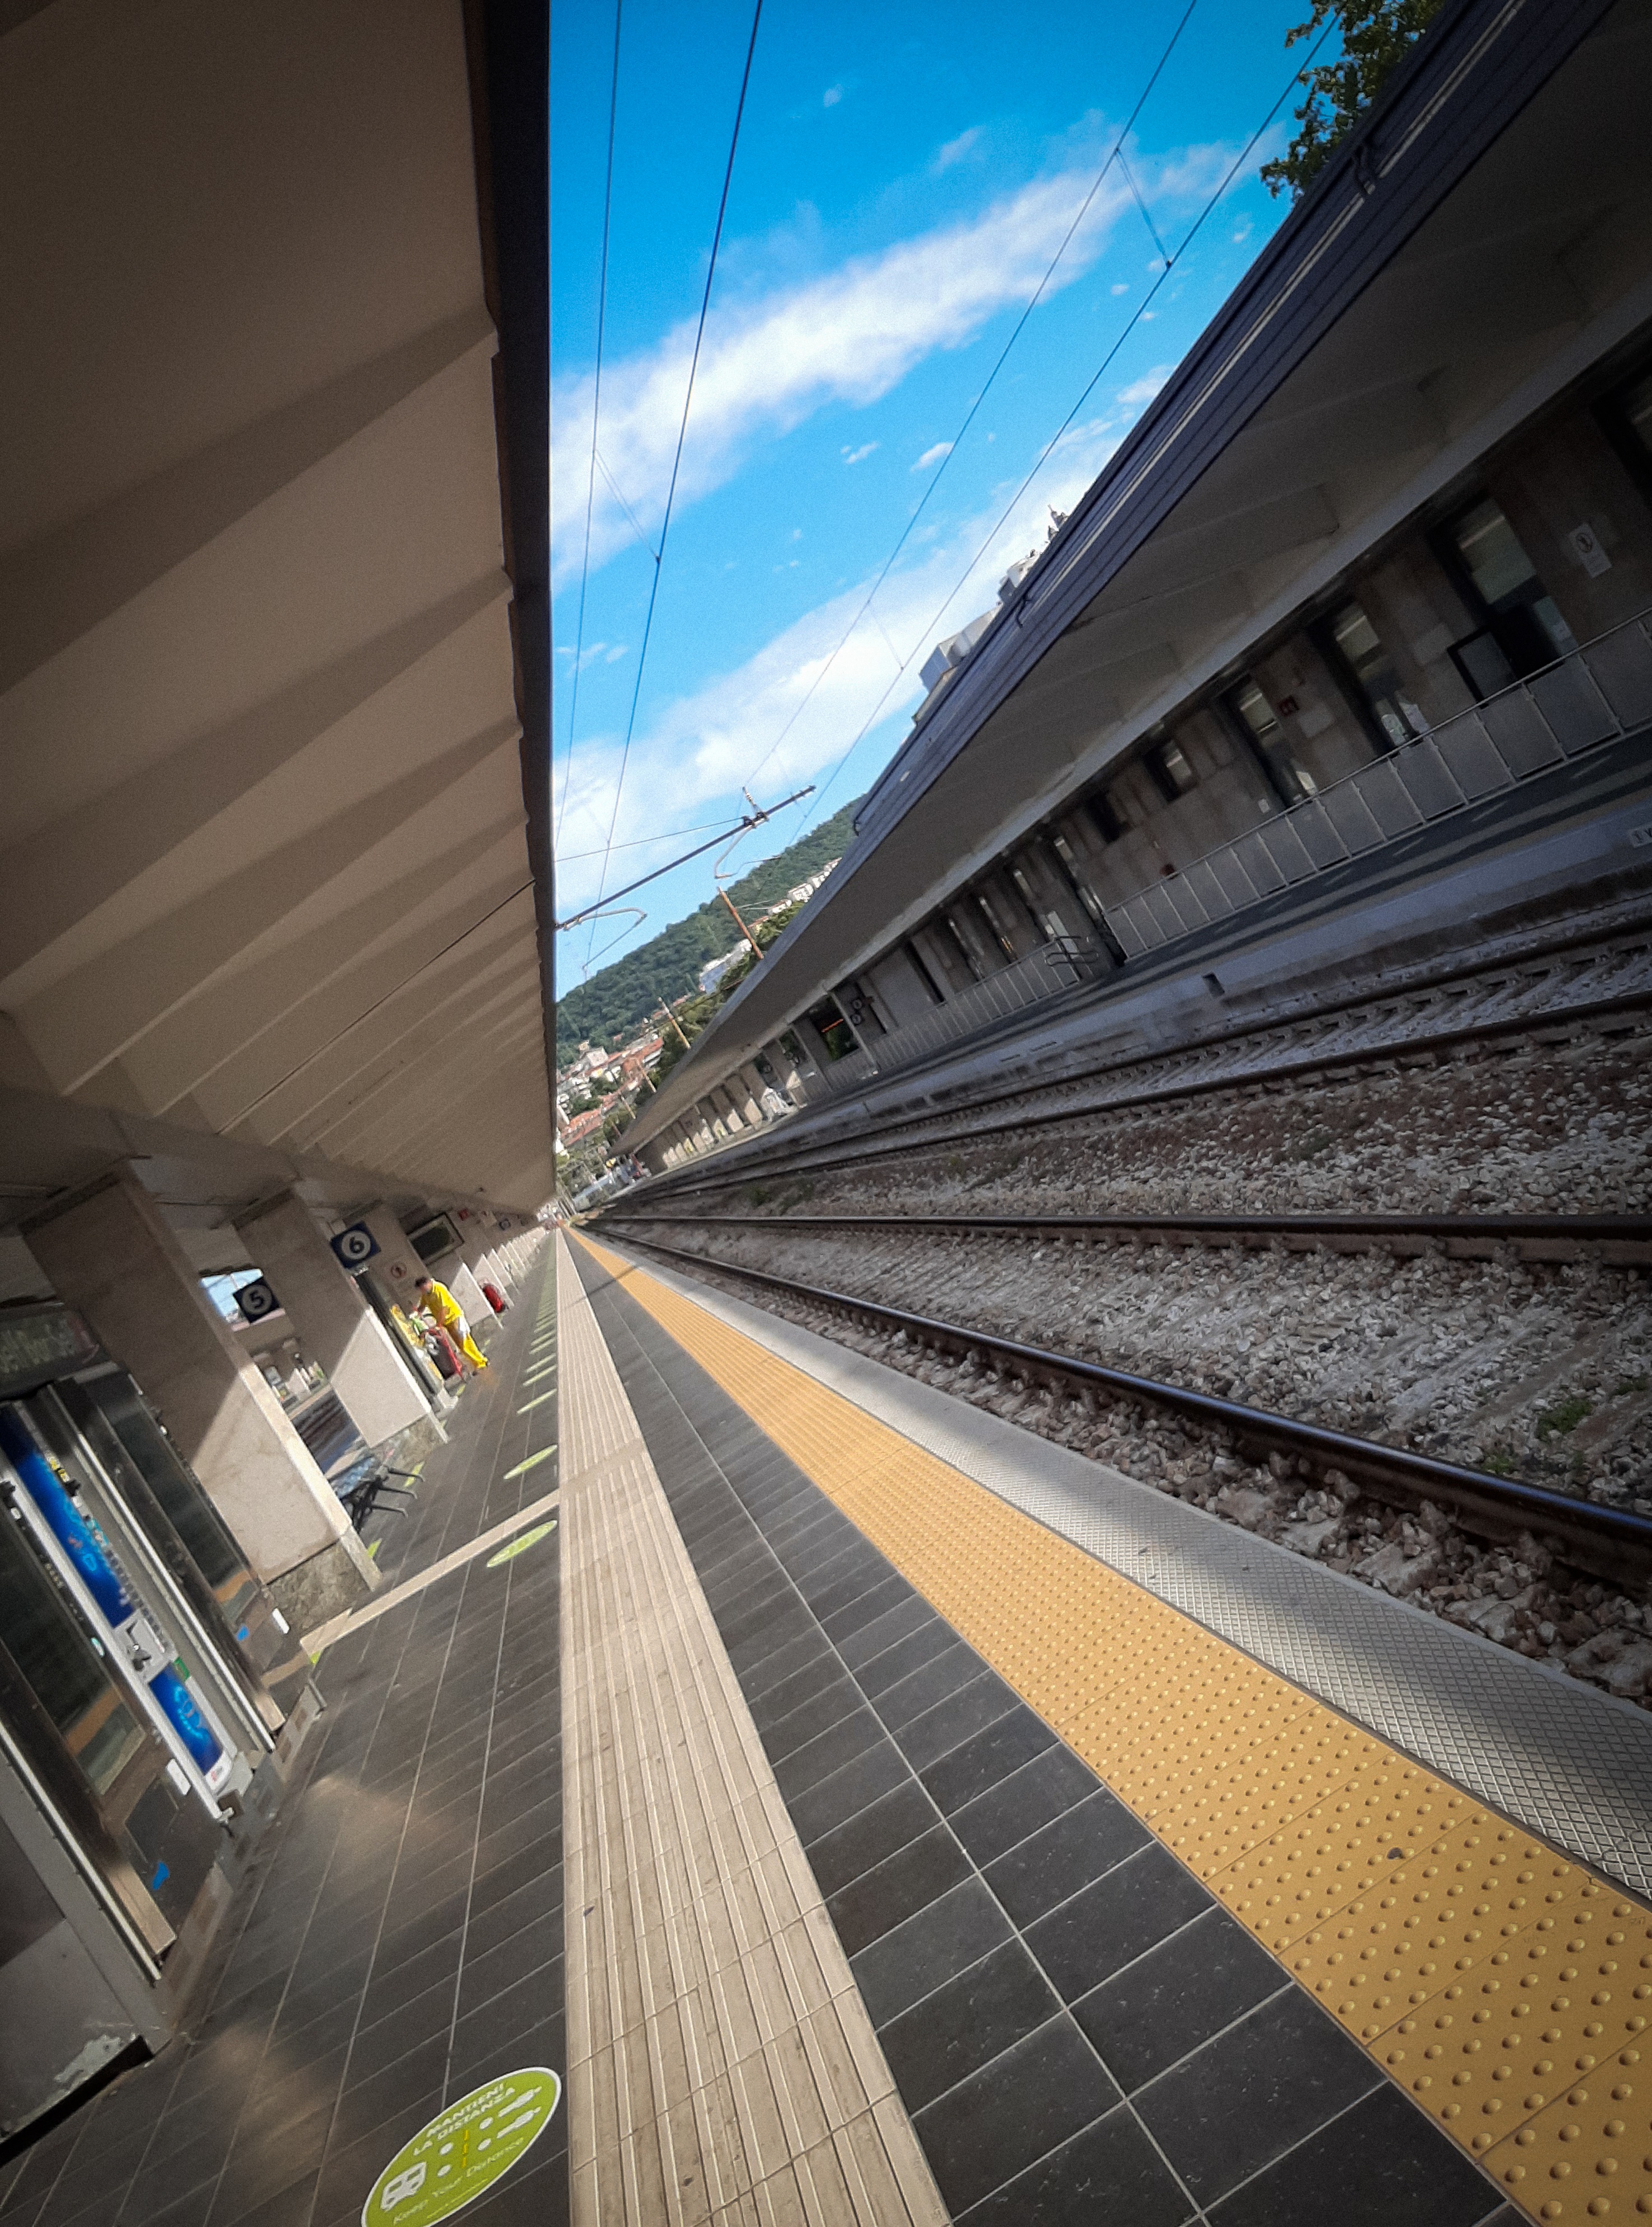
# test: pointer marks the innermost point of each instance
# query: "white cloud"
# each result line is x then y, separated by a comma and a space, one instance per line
701, 748
832, 96
859, 455
1121, 288
609, 654
934, 455
850, 336
956, 150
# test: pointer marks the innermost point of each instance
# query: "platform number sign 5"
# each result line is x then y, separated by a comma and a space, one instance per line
256, 1300
355, 1246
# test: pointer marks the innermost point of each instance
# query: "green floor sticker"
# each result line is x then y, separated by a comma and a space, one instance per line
537, 1402
462, 2154
533, 1461
515, 1547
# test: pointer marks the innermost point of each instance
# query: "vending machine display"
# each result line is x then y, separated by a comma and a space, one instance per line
145, 1677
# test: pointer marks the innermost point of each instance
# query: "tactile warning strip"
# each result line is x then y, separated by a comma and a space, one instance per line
1504, 1987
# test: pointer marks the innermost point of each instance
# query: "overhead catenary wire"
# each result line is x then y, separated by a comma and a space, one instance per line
677, 460
1115, 155
1170, 260
754, 818
596, 412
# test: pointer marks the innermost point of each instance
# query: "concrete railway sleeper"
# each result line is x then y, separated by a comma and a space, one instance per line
1551, 1575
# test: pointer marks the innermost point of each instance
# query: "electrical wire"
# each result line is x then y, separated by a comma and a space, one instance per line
1115, 155
595, 409
676, 466
1171, 262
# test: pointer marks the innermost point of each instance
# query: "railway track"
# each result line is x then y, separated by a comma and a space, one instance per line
1611, 1543
1620, 1238
1603, 992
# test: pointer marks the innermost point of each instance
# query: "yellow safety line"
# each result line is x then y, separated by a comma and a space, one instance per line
1505, 1987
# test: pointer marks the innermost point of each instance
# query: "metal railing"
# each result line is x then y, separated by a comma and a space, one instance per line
1595, 695
1061, 964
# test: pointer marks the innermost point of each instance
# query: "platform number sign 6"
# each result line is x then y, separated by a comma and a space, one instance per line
355, 1246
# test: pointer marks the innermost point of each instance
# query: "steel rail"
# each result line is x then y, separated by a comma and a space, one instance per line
1307, 1062
1560, 1235
1611, 1543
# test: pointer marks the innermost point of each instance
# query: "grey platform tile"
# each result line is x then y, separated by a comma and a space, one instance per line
1111, 2171
1555, 1754
929, 1948
847, 1851
1012, 2112
1161, 2007
1058, 1860
1379, 2165
966, 2021
1029, 1797
1261, 2088
1137, 1904
880, 1899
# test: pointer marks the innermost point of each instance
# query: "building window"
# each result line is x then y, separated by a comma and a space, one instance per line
832, 1030
1627, 418
996, 929
1075, 873
1104, 815
1257, 724
948, 927
1171, 773
1521, 629
921, 967
1048, 926
1390, 715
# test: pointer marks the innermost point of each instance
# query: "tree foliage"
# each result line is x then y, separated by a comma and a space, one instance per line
1376, 35
692, 1015
618, 1000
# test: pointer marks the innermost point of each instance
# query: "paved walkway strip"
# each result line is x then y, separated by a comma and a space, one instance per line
721, 2062
1503, 1987
340, 1627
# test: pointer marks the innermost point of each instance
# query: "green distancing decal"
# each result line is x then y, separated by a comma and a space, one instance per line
515, 1547
533, 1461
462, 2153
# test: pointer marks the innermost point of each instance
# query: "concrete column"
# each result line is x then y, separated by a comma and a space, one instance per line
396, 1264
753, 1085
114, 1258
788, 1079
338, 1329
455, 1274
396, 1268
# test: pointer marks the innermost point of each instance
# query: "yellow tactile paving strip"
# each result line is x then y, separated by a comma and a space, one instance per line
1504, 1987
723, 2071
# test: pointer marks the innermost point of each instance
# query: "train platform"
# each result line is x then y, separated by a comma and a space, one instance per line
1174, 1878
952, 1828
395, 1943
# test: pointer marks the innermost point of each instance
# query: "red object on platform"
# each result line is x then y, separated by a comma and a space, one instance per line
494, 1297
447, 1354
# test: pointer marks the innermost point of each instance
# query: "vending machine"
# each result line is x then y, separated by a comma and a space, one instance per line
145, 1679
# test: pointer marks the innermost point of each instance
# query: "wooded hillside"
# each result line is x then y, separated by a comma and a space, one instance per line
617, 1000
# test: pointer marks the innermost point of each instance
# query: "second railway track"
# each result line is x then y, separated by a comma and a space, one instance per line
1622, 1239
1609, 1541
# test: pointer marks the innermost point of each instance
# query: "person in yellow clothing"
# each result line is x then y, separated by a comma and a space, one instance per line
438, 1303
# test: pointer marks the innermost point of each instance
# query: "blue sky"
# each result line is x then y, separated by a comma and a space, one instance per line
904, 175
